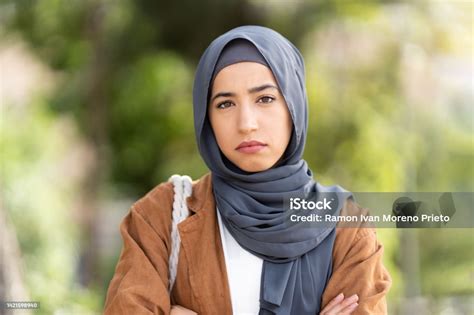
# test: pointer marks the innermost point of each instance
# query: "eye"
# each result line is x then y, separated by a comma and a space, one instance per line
266, 99
223, 105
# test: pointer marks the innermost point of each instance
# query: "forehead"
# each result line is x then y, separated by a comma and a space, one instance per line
244, 75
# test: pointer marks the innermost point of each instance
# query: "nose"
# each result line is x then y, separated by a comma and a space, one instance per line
248, 121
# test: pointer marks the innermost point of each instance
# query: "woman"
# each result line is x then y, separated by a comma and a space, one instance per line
238, 254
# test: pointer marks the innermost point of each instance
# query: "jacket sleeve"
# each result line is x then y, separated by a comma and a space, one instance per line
358, 269
139, 285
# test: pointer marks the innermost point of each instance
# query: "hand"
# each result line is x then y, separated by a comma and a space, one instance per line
179, 310
341, 306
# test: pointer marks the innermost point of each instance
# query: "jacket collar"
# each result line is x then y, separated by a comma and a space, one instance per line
207, 270
202, 196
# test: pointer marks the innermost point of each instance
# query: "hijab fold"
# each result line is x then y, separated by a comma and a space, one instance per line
297, 260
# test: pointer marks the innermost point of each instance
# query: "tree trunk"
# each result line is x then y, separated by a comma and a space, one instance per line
95, 126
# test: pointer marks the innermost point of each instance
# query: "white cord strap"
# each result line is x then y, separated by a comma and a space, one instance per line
182, 190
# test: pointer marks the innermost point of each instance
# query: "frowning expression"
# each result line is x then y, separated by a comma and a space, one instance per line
249, 116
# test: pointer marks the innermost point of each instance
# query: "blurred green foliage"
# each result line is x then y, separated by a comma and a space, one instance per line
123, 80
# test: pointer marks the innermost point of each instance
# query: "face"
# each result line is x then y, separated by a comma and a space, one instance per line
249, 116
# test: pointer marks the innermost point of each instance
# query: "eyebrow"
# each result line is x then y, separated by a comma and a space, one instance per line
251, 90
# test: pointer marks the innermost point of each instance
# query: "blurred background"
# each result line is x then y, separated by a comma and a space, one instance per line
96, 109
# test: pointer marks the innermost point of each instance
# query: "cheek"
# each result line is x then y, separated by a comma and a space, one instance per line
281, 127
283, 139
222, 131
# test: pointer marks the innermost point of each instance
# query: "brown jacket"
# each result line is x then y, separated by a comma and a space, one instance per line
140, 282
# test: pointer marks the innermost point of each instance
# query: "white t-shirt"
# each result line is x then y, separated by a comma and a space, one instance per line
244, 271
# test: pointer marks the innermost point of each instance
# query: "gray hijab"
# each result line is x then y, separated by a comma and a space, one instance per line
297, 260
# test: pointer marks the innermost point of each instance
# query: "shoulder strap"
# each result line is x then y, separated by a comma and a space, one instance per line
182, 190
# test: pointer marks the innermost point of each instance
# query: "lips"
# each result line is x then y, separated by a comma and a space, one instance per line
250, 146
